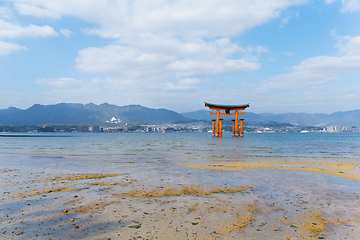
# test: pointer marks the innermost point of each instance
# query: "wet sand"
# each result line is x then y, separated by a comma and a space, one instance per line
256, 200
335, 168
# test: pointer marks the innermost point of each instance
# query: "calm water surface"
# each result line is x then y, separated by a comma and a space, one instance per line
103, 151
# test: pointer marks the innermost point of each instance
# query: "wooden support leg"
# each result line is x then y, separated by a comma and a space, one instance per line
220, 131
233, 125
217, 123
242, 127
236, 124
213, 128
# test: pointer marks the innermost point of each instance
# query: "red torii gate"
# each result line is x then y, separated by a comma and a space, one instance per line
217, 124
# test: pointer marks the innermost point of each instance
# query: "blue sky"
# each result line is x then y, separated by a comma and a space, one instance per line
279, 56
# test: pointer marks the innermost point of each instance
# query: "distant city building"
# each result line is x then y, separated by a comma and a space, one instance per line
114, 120
83, 129
330, 129
338, 129
96, 129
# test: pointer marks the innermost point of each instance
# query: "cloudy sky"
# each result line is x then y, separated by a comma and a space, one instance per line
279, 55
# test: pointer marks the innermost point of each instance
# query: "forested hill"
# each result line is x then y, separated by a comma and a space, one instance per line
72, 113
348, 118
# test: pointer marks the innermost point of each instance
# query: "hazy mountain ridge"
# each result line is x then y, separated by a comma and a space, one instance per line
76, 113
347, 118
205, 115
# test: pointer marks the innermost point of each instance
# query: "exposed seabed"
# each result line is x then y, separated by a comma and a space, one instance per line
167, 200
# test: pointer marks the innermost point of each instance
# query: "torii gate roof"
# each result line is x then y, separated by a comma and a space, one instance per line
226, 107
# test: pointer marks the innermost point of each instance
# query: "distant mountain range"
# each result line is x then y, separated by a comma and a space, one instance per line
348, 118
73, 113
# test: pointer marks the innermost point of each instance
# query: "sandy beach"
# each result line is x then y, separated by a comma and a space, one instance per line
308, 201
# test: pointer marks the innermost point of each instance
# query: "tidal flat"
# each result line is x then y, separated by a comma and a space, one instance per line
176, 189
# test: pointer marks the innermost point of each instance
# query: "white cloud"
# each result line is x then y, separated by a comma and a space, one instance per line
184, 84
15, 99
70, 90
171, 57
184, 95
202, 67
60, 82
120, 59
166, 39
287, 16
116, 90
9, 30
66, 32
309, 86
165, 49
164, 36
294, 81
350, 5
285, 20
33, 10
348, 59
7, 48
5, 13
177, 18
349, 46
347, 5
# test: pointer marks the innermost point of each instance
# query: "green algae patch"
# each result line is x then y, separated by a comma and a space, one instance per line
135, 226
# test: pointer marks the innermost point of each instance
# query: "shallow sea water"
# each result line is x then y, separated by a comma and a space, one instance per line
155, 160
104, 151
